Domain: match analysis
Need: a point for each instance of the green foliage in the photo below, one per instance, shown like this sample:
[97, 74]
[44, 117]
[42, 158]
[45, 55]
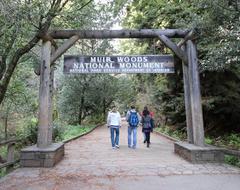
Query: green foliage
[234, 140]
[231, 141]
[217, 24]
[221, 102]
[3, 172]
[208, 140]
[21, 100]
[95, 119]
[172, 132]
[3, 151]
[20, 24]
[86, 95]
[27, 130]
[126, 92]
[71, 131]
[232, 160]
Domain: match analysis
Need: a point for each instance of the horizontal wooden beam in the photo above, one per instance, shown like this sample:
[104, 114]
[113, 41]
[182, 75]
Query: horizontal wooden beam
[232, 152]
[171, 45]
[6, 164]
[5, 142]
[103, 34]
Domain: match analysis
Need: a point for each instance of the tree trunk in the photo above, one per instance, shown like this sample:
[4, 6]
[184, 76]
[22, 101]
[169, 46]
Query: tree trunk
[104, 108]
[81, 110]
[43, 28]
[13, 63]
[2, 67]
[6, 126]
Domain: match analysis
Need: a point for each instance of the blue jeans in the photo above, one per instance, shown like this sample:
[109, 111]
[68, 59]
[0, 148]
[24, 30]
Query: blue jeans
[132, 130]
[114, 138]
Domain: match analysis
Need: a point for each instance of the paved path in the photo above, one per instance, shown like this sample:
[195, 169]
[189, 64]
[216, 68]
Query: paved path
[91, 164]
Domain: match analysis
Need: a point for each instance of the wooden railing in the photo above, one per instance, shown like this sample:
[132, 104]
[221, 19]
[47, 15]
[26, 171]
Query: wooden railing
[235, 153]
[10, 161]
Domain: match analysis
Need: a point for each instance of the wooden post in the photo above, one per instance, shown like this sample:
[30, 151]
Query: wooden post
[10, 156]
[51, 91]
[50, 109]
[187, 100]
[10, 152]
[44, 93]
[195, 94]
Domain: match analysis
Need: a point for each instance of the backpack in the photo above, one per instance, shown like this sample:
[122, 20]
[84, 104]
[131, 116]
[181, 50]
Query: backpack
[133, 119]
[147, 122]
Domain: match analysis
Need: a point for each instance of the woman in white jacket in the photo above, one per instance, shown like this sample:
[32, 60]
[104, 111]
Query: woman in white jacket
[114, 123]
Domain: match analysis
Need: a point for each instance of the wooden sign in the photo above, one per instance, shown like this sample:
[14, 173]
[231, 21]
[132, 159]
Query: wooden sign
[119, 64]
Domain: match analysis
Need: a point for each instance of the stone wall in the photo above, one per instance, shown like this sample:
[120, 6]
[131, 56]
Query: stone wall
[40, 157]
[196, 154]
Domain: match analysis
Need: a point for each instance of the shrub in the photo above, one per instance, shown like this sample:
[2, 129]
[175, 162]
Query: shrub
[208, 140]
[28, 130]
[232, 160]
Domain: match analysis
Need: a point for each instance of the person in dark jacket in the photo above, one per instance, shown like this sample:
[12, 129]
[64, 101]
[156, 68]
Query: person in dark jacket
[151, 115]
[147, 125]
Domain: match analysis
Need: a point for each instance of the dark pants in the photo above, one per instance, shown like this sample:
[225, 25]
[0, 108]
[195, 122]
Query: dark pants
[147, 134]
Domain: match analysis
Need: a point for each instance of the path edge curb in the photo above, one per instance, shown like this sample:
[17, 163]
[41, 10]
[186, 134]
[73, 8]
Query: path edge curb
[166, 136]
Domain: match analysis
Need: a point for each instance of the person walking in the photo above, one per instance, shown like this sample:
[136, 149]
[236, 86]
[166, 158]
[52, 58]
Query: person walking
[133, 119]
[151, 115]
[114, 123]
[147, 125]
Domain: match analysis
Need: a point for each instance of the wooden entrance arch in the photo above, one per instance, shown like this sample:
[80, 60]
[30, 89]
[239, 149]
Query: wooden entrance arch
[185, 50]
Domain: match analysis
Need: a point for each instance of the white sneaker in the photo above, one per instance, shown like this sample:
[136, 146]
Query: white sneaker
[113, 147]
[117, 146]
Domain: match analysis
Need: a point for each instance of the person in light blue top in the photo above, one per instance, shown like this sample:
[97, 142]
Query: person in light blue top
[114, 123]
[133, 118]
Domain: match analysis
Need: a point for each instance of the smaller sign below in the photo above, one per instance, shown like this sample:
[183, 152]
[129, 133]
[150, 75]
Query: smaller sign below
[118, 64]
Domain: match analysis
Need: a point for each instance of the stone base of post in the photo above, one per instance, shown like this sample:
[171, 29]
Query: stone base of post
[34, 156]
[197, 154]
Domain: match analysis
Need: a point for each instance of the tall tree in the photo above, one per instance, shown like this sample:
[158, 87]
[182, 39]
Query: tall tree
[217, 23]
[85, 95]
[23, 24]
